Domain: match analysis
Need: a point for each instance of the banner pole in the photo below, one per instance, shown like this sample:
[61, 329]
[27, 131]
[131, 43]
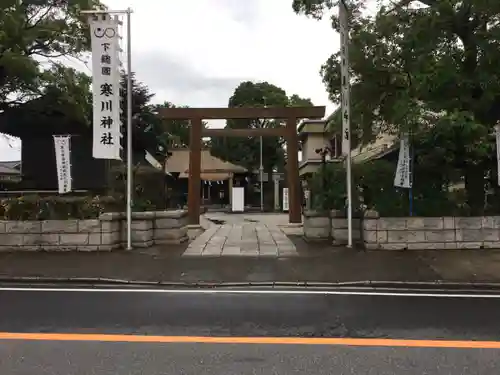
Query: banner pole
[129, 131]
[345, 108]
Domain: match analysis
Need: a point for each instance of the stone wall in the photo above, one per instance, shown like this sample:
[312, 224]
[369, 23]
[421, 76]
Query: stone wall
[340, 228]
[316, 225]
[106, 233]
[329, 225]
[430, 232]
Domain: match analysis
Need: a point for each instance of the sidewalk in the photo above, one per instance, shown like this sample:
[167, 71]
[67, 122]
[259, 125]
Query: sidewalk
[319, 264]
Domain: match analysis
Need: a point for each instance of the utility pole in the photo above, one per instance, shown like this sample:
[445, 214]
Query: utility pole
[261, 167]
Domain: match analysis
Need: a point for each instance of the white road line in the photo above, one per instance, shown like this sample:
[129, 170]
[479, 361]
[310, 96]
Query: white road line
[275, 292]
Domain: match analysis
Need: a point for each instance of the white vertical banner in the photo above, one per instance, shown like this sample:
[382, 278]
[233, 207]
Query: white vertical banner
[106, 86]
[402, 178]
[285, 199]
[497, 136]
[344, 78]
[63, 163]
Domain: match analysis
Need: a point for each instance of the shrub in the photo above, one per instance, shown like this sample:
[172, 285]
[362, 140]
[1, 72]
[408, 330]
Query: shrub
[34, 207]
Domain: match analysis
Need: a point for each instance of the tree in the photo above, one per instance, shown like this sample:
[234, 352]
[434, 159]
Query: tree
[414, 58]
[439, 54]
[246, 152]
[32, 34]
[177, 131]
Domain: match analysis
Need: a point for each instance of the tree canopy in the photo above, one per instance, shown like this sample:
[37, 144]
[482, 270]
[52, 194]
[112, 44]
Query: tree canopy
[32, 35]
[410, 57]
[246, 152]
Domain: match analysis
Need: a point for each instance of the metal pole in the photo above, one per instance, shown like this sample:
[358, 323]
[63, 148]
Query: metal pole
[349, 196]
[261, 167]
[411, 165]
[345, 107]
[128, 12]
[129, 132]
[261, 173]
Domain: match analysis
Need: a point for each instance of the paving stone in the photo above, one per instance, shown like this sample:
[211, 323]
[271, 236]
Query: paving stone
[242, 239]
[231, 250]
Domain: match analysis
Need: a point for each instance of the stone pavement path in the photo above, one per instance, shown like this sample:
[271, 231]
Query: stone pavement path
[237, 237]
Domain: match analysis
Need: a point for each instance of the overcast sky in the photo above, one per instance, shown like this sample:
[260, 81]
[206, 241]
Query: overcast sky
[195, 52]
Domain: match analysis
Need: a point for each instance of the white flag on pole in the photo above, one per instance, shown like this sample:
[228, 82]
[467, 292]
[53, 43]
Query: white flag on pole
[344, 77]
[63, 163]
[105, 43]
[402, 178]
[497, 136]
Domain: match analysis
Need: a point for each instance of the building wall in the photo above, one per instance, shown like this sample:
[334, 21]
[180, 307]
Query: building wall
[311, 144]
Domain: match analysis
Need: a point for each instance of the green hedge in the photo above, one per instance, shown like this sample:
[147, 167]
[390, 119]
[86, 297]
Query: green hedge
[34, 207]
[373, 188]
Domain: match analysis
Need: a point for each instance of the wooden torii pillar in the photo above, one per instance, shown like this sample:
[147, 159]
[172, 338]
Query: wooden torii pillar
[196, 116]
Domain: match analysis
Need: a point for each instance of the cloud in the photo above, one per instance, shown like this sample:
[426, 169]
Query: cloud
[176, 80]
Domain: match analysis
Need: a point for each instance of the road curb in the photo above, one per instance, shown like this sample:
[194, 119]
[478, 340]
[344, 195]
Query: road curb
[100, 281]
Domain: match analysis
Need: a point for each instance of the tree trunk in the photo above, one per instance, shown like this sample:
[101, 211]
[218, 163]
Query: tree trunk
[475, 188]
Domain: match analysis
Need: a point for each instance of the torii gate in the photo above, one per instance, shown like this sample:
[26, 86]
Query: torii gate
[289, 132]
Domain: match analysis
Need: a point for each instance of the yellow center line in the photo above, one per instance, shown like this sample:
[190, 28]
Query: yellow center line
[251, 340]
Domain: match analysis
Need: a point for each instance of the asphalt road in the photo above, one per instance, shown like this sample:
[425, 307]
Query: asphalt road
[256, 333]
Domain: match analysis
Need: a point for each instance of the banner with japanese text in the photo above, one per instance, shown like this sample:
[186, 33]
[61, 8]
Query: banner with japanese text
[345, 85]
[105, 43]
[63, 163]
[402, 177]
[497, 137]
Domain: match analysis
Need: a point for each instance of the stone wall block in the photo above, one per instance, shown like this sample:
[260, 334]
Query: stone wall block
[140, 225]
[110, 226]
[382, 236]
[340, 223]
[394, 236]
[317, 222]
[491, 244]
[444, 235]
[341, 235]
[469, 235]
[88, 248]
[2, 225]
[433, 222]
[415, 223]
[448, 223]
[89, 226]
[426, 246]
[490, 234]
[316, 233]
[32, 239]
[369, 224]
[468, 222]
[110, 238]
[370, 236]
[11, 239]
[391, 223]
[95, 238]
[51, 239]
[22, 227]
[59, 226]
[162, 234]
[393, 246]
[109, 247]
[74, 239]
[60, 247]
[469, 245]
[142, 231]
[168, 223]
